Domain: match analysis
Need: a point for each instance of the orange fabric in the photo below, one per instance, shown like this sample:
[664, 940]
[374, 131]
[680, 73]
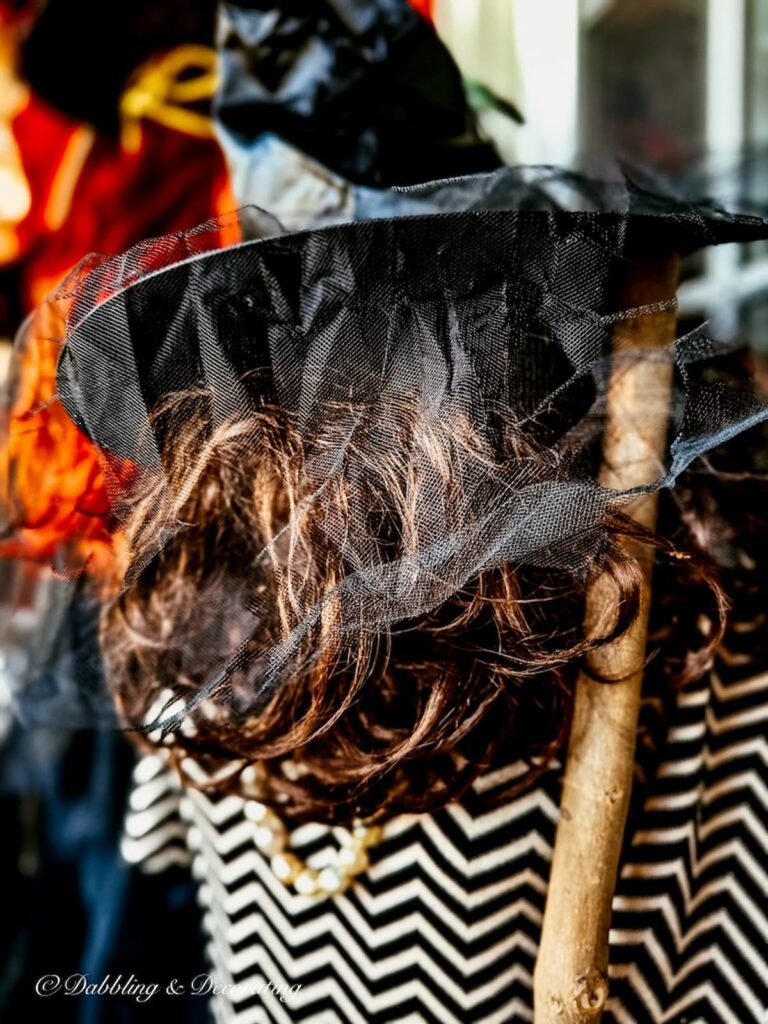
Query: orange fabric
[56, 494]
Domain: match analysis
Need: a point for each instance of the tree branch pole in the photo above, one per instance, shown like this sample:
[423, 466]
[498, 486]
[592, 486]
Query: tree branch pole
[571, 976]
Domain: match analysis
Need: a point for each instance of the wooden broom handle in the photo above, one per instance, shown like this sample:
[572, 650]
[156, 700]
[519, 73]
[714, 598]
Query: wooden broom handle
[571, 977]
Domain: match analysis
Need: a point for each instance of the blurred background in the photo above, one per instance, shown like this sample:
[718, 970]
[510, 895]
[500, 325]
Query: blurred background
[109, 135]
[678, 85]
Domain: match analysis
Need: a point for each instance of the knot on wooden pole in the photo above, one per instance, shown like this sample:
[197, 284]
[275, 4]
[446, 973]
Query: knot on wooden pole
[590, 995]
[585, 1002]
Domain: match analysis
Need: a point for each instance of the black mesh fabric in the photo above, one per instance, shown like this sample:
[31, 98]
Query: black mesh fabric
[481, 319]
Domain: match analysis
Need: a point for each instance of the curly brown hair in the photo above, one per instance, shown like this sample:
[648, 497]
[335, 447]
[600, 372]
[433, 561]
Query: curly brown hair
[367, 723]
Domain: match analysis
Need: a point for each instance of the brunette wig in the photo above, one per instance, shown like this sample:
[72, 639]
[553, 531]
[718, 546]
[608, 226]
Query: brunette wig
[370, 723]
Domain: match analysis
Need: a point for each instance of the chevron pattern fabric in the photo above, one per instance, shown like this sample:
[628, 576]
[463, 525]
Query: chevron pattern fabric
[444, 926]
[689, 943]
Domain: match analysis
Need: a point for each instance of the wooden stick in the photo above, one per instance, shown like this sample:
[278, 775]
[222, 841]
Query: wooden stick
[571, 977]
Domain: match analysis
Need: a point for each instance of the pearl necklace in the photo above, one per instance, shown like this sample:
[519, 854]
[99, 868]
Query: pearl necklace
[271, 837]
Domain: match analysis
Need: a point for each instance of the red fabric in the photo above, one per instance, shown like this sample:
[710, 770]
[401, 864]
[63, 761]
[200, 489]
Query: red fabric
[104, 199]
[174, 181]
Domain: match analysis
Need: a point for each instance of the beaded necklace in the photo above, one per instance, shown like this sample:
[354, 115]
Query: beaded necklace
[270, 834]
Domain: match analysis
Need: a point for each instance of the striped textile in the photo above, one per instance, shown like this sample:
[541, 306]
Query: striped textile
[444, 926]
